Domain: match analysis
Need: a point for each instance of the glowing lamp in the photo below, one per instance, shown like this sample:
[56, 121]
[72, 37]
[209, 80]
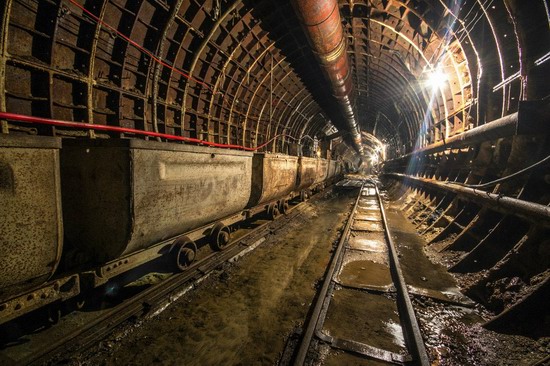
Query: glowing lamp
[437, 78]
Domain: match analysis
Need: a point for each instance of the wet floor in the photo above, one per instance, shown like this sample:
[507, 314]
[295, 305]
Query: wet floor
[351, 316]
[365, 274]
[363, 309]
[453, 334]
[418, 270]
[244, 315]
[339, 358]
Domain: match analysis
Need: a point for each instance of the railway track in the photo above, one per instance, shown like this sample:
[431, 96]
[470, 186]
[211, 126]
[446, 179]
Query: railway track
[146, 303]
[363, 309]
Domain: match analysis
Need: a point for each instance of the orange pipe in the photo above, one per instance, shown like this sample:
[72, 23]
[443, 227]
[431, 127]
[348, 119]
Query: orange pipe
[323, 27]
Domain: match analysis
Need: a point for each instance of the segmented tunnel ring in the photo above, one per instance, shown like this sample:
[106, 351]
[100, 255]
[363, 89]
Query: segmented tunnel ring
[242, 76]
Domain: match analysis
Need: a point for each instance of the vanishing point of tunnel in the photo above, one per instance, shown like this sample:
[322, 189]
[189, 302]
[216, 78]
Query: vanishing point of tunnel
[275, 182]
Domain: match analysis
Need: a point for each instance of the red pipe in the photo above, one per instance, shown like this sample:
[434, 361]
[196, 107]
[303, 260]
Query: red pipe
[88, 126]
[323, 27]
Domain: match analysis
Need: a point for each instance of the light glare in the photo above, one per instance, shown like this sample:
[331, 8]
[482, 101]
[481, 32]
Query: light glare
[437, 78]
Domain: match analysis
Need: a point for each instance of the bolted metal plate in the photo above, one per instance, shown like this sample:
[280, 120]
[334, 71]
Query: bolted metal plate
[148, 193]
[273, 176]
[349, 317]
[368, 217]
[31, 232]
[365, 270]
[368, 243]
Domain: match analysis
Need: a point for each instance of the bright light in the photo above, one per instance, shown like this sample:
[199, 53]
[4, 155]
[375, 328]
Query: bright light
[436, 78]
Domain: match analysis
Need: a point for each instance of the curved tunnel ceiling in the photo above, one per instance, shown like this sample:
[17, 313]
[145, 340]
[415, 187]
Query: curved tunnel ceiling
[241, 72]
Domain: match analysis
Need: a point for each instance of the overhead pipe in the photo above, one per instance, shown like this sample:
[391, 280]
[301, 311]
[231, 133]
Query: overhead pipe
[323, 27]
[531, 118]
[531, 211]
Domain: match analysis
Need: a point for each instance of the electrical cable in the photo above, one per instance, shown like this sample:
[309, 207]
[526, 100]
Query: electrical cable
[88, 126]
[503, 179]
[138, 46]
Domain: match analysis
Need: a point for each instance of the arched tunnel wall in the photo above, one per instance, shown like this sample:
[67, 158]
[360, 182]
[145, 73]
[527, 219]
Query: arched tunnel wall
[241, 73]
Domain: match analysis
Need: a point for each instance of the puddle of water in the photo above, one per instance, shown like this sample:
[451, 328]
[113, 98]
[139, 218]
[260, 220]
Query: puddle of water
[350, 316]
[397, 332]
[339, 358]
[450, 294]
[367, 209]
[368, 217]
[418, 270]
[361, 242]
[442, 321]
[367, 226]
[365, 273]
[244, 316]
[454, 294]
[368, 192]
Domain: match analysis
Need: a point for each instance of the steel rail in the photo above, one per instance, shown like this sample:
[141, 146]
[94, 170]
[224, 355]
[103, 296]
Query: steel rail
[413, 337]
[313, 319]
[411, 329]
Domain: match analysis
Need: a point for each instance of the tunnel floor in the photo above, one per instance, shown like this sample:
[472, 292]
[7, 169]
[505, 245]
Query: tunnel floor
[245, 313]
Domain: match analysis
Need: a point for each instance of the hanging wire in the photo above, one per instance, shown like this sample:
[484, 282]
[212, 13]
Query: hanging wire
[503, 179]
[137, 45]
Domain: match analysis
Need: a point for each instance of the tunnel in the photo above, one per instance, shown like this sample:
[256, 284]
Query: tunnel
[134, 130]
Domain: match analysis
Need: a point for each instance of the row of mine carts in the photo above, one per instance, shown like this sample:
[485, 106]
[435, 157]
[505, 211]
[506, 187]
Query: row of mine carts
[77, 213]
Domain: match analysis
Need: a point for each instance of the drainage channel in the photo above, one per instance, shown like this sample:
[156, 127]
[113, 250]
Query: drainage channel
[363, 313]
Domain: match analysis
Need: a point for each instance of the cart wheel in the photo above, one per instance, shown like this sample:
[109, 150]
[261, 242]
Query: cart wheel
[283, 206]
[219, 236]
[185, 252]
[273, 211]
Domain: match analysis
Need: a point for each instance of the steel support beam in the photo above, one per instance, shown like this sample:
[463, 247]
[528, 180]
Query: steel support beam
[530, 211]
[530, 119]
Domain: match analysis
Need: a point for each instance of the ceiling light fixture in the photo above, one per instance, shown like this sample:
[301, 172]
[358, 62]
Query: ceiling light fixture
[437, 78]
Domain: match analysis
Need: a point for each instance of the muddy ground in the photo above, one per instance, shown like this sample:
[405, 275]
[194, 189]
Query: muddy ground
[454, 335]
[244, 313]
